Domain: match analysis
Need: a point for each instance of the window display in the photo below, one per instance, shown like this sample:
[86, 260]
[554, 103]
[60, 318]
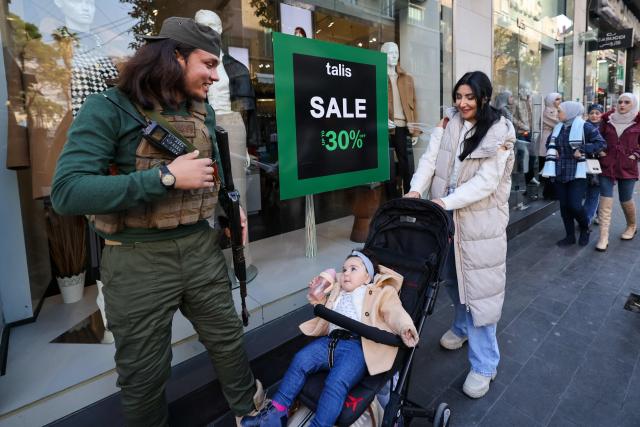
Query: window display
[532, 57]
[57, 53]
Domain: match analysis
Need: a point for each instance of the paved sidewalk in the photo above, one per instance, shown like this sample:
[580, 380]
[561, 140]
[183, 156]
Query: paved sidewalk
[570, 352]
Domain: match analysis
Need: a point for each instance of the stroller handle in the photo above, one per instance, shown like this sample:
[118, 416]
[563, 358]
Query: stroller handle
[370, 332]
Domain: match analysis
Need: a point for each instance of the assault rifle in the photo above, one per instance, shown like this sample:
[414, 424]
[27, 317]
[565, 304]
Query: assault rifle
[230, 202]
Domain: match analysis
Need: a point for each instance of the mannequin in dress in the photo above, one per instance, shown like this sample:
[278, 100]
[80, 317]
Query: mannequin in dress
[402, 110]
[220, 98]
[91, 70]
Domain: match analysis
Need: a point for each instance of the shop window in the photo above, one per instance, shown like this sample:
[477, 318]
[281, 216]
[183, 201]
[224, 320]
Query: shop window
[58, 53]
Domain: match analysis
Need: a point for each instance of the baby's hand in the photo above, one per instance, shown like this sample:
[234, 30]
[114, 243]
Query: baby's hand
[410, 337]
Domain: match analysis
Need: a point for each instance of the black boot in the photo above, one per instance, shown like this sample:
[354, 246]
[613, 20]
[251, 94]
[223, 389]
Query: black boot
[567, 241]
[583, 240]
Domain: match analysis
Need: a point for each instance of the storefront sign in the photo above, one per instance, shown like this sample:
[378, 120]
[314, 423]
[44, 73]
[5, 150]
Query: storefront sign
[331, 109]
[622, 39]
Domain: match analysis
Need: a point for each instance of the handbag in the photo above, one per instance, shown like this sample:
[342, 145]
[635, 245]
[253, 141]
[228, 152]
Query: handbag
[593, 167]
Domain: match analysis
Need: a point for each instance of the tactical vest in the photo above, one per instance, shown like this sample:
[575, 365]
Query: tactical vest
[179, 207]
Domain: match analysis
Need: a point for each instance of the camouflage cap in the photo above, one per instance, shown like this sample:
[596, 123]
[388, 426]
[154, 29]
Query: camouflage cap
[189, 32]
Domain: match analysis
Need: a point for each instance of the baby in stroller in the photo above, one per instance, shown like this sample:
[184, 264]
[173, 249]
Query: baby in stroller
[368, 293]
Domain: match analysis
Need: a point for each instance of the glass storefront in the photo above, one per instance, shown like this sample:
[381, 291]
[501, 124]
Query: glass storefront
[57, 53]
[605, 70]
[533, 56]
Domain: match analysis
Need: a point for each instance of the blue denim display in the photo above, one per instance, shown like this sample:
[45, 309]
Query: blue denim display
[625, 188]
[484, 354]
[349, 368]
[591, 201]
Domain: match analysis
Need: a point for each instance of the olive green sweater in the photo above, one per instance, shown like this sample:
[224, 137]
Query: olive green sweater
[101, 135]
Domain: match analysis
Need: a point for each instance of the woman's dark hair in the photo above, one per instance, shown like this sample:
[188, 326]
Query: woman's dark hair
[154, 75]
[300, 31]
[371, 256]
[486, 115]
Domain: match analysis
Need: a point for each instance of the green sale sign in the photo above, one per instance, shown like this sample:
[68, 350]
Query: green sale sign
[331, 105]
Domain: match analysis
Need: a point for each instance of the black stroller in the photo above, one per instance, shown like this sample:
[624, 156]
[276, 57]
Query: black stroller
[412, 237]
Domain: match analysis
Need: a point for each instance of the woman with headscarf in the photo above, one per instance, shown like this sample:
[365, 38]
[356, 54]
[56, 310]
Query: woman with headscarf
[503, 103]
[571, 139]
[549, 120]
[619, 163]
[594, 114]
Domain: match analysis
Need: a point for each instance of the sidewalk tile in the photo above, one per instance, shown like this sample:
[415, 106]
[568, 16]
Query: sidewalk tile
[584, 318]
[571, 339]
[560, 421]
[519, 348]
[587, 411]
[505, 415]
[550, 306]
[507, 370]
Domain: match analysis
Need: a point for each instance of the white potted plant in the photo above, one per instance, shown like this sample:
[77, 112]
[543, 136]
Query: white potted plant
[68, 251]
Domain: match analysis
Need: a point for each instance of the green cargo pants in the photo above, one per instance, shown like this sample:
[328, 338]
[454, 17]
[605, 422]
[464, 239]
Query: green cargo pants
[144, 284]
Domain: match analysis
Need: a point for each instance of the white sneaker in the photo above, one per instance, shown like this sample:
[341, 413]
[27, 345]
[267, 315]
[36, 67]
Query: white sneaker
[477, 385]
[534, 181]
[451, 341]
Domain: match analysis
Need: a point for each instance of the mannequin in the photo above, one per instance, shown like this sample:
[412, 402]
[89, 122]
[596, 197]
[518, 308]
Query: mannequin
[402, 110]
[91, 72]
[78, 15]
[220, 98]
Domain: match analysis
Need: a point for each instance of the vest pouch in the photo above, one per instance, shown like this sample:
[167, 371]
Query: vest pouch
[177, 207]
[107, 223]
[191, 204]
[209, 201]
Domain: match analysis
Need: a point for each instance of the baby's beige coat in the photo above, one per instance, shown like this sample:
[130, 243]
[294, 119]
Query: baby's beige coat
[382, 308]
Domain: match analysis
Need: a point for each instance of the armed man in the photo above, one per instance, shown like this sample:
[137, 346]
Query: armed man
[141, 163]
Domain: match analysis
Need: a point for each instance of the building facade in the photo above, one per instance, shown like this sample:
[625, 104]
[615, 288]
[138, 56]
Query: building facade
[57, 53]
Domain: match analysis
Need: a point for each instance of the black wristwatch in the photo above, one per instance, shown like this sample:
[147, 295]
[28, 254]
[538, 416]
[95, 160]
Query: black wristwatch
[166, 177]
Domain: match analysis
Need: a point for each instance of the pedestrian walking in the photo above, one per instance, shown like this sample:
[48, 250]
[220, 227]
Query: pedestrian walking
[594, 114]
[619, 163]
[572, 138]
[549, 121]
[504, 104]
[467, 170]
[151, 208]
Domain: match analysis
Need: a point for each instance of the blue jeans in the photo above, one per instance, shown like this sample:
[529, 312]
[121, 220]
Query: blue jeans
[625, 188]
[348, 369]
[484, 354]
[591, 201]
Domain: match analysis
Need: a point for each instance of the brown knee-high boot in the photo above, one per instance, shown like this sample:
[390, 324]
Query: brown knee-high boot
[604, 219]
[629, 209]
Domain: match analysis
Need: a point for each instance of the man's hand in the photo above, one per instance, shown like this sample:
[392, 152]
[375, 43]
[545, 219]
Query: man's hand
[602, 154]
[191, 172]
[577, 154]
[245, 227]
[412, 195]
[633, 157]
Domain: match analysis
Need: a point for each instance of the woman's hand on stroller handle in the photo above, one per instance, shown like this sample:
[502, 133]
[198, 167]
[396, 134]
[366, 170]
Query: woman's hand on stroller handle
[412, 195]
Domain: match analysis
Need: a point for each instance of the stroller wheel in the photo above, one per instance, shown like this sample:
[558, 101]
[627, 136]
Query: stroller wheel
[442, 415]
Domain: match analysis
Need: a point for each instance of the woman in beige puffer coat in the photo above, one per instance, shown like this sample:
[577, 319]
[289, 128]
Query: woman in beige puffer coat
[467, 171]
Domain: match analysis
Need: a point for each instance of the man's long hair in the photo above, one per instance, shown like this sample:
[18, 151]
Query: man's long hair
[153, 75]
